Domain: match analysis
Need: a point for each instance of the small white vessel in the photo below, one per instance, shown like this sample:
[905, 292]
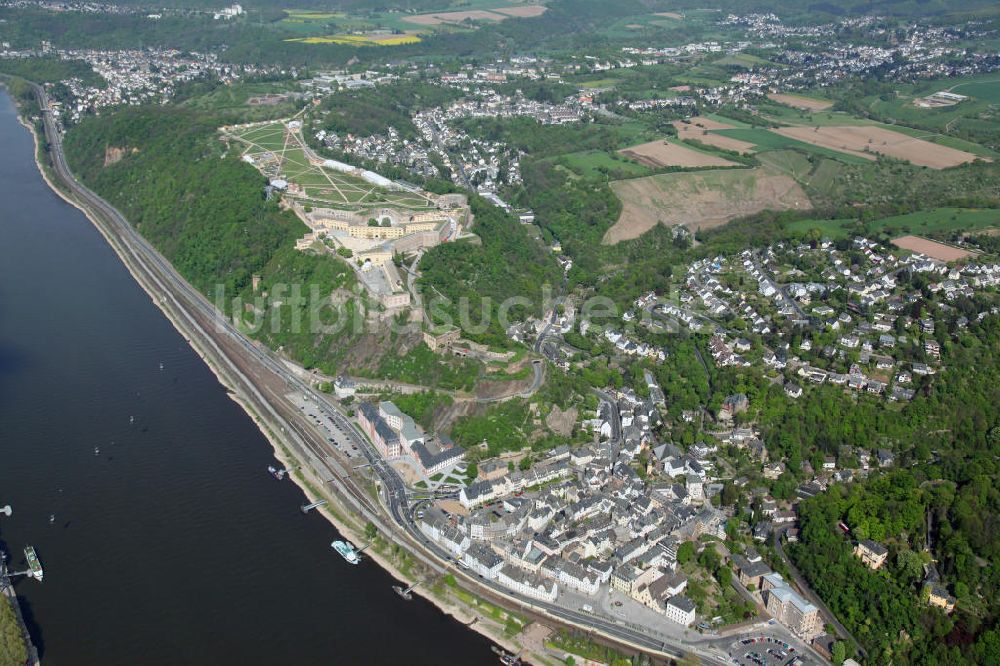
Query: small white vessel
[346, 550]
[34, 564]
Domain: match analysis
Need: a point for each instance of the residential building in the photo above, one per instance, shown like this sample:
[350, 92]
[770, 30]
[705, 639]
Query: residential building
[872, 554]
[680, 609]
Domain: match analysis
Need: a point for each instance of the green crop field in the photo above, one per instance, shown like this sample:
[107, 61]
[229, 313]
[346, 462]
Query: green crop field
[739, 124]
[987, 90]
[599, 83]
[589, 164]
[939, 220]
[789, 116]
[794, 163]
[926, 222]
[744, 60]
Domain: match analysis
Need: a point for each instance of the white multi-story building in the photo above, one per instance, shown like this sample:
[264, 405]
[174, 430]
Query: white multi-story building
[483, 560]
[527, 584]
[680, 609]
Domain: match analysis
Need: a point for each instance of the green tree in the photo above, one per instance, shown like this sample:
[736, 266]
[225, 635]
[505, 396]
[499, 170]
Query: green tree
[13, 651]
[685, 552]
[838, 652]
[730, 493]
[371, 531]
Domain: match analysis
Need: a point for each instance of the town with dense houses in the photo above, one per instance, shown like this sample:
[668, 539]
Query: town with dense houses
[634, 444]
[606, 520]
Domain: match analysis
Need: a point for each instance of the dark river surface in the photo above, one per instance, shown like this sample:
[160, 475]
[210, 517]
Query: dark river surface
[173, 545]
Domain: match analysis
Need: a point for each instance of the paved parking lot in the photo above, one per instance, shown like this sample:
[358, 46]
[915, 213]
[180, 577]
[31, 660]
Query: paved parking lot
[764, 651]
[330, 430]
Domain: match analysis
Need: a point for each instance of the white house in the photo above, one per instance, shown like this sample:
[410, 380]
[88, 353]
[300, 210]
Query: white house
[680, 609]
[527, 584]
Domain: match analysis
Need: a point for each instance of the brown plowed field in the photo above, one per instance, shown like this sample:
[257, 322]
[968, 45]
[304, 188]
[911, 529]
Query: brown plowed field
[699, 129]
[659, 154]
[930, 248]
[522, 12]
[700, 200]
[798, 102]
[855, 139]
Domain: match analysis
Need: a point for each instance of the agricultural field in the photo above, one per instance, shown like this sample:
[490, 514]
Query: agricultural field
[595, 163]
[280, 152]
[373, 39]
[704, 130]
[791, 162]
[599, 83]
[743, 60]
[864, 140]
[801, 102]
[664, 23]
[497, 13]
[309, 21]
[701, 200]
[932, 249]
[660, 153]
[325, 27]
[987, 89]
[974, 119]
[786, 116]
[771, 140]
[927, 222]
[950, 141]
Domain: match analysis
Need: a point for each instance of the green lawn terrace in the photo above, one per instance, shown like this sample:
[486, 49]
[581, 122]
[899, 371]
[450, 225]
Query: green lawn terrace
[278, 150]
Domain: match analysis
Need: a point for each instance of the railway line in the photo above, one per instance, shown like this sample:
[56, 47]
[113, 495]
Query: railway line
[263, 382]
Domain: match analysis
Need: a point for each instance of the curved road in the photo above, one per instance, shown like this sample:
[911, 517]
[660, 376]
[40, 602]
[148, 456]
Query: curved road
[263, 382]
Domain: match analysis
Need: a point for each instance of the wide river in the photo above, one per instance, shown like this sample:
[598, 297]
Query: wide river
[171, 544]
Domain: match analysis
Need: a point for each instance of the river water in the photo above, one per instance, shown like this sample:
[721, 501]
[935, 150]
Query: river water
[172, 545]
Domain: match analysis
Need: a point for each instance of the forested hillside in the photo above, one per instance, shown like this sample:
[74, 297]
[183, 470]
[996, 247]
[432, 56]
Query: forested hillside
[369, 111]
[504, 263]
[205, 212]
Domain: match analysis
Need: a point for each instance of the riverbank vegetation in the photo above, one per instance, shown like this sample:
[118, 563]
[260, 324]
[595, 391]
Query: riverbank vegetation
[206, 212]
[13, 650]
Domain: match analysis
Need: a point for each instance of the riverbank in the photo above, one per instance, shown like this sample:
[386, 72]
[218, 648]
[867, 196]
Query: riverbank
[32, 651]
[203, 348]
